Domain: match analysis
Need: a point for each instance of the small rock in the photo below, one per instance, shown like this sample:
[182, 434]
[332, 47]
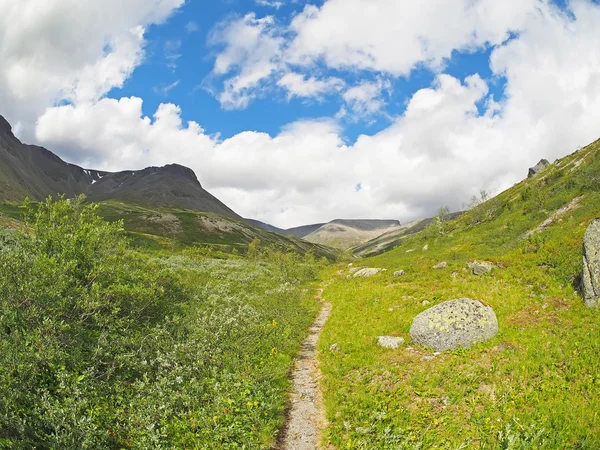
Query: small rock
[545, 305]
[441, 265]
[399, 273]
[426, 247]
[427, 358]
[453, 324]
[437, 353]
[367, 272]
[479, 268]
[390, 341]
[350, 265]
[425, 303]
[454, 274]
[411, 250]
[354, 270]
[334, 348]
[409, 349]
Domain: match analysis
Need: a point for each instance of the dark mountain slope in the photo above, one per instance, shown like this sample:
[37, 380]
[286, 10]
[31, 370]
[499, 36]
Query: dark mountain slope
[299, 232]
[27, 170]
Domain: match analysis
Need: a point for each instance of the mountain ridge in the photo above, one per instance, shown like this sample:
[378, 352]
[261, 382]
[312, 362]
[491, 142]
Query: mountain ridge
[36, 172]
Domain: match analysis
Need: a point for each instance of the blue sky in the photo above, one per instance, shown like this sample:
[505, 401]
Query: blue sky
[294, 104]
[179, 60]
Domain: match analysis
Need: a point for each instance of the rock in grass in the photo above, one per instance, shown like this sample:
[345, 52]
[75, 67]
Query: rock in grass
[367, 272]
[591, 265]
[479, 268]
[390, 341]
[453, 324]
[354, 270]
[533, 171]
[441, 265]
[399, 273]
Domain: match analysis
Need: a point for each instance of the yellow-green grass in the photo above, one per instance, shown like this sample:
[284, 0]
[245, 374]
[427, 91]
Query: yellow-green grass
[535, 385]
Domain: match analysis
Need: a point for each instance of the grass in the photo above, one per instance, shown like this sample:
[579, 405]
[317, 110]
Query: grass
[108, 347]
[535, 385]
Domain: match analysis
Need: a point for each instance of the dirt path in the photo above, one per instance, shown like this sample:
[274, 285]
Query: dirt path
[306, 418]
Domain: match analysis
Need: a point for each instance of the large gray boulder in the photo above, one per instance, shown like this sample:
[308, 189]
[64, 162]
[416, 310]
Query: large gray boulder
[453, 324]
[533, 171]
[591, 265]
[367, 272]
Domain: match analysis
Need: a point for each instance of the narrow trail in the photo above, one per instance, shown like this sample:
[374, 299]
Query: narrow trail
[306, 417]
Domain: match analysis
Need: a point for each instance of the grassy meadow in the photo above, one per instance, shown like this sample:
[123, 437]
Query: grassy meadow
[107, 347]
[536, 385]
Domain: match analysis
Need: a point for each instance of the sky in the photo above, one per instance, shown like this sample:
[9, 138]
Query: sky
[296, 112]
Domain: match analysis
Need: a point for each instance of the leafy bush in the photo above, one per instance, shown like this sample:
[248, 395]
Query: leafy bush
[103, 347]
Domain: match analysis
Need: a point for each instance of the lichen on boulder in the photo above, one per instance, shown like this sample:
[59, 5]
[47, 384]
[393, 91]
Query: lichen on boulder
[591, 265]
[453, 324]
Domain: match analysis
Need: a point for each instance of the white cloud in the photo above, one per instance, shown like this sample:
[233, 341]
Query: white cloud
[270, 3]
[252, 49]
[366, 98]
[164, 89]
[297, 85]
[192, 26]
[381, 36]
[74, 50]
[172, 49]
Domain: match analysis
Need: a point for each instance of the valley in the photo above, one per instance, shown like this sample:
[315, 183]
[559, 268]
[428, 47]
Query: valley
[222, 305]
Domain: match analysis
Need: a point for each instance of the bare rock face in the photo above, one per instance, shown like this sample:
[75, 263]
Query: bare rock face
[533, 171]
[591, 265]
[453, 324]
[367, 272]
[479, 268]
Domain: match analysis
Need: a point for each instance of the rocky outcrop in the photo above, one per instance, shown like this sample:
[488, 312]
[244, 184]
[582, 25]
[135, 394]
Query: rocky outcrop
[533, 171]
[367, 272]
[479, 268]
[453, 324]
[591, 265]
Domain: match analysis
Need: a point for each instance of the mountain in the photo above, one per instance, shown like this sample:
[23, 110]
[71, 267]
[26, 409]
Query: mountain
[392, 238]
[300, 231]
[303, 230]
[161, 207]
[344, 234]
[28, 170]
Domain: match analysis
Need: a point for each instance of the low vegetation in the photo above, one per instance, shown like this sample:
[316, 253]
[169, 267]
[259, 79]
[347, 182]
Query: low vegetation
[102, 346]
[535, 385]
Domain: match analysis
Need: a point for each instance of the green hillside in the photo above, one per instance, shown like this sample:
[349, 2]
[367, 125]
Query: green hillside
[107, 347]
[164, 228]
[535, 385]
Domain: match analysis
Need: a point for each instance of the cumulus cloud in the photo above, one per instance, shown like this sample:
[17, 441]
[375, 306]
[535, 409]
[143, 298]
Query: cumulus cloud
[73, 50]
[251, 47]
[366, 98]
[297, 85]
[381, 36]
